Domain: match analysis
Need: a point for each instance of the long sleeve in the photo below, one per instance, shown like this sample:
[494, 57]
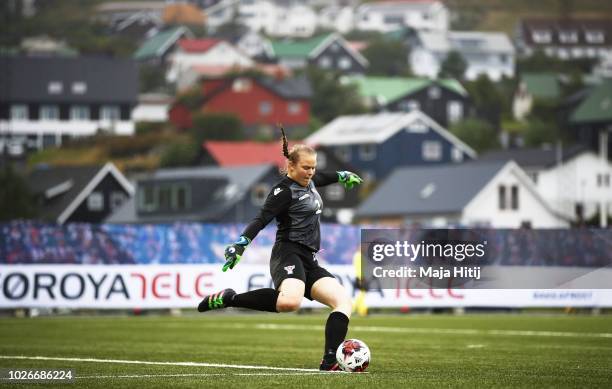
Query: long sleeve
[325, 178]
[277, 202]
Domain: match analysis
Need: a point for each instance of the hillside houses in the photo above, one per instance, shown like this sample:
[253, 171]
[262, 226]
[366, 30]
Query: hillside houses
[47, 100]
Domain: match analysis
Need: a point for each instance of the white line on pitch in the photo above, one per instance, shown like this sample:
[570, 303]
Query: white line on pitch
[203, 375]
[451, 331]
[191, 364]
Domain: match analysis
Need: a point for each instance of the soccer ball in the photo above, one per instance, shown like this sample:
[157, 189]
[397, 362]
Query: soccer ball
[353, 355]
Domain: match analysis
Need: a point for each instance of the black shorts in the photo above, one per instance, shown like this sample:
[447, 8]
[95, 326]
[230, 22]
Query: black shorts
[292, 260]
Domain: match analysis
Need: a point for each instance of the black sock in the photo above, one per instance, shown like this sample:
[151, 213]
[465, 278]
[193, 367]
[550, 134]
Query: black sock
[335, 332]
[258, 299]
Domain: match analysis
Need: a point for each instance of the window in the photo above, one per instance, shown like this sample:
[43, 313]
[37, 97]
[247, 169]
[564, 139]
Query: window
[501, 196]
[334, 192]
[344, 63]
[568, 36]
[344, 153]
[603, 180]
[454, 111]
[541, 36]
[325, 62]
[594, 36]
[417, 127]
[164, 197]
[579, 211]
[241, 85]
[409, 105]
[79, 88]
[321, 160]
[456, 155]
[265, 108]
[294, 108]
[19, 112]
[514, 197]
[432, 150]
[116, 200]
[55, 87]
[181, 198]
[109, 112]
[534, 176]
[367, 152]
[147, 199]
[434, 92]
[393, 19]
[335, 47]
[79, 112]
[95, 201]
[259, 194]
[49, 112]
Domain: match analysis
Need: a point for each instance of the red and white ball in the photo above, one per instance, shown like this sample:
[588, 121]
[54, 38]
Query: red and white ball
[353, 355]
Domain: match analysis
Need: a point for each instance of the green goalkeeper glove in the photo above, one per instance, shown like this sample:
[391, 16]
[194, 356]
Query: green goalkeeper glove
[234, 252]
[349, 179]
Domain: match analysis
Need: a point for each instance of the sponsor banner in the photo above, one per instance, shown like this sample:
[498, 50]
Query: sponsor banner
[183, 286]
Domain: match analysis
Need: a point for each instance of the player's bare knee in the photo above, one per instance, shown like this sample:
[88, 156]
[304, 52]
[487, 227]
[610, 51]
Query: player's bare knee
[288, 303]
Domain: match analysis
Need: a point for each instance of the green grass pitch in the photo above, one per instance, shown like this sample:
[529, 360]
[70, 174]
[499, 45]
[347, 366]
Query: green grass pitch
[421, 351]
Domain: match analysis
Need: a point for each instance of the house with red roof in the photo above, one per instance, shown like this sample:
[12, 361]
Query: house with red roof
[204, 52]
[258, 102]
[227, 154]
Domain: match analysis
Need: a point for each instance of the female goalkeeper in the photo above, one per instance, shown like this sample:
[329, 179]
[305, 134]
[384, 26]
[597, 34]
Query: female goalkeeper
[296, 205]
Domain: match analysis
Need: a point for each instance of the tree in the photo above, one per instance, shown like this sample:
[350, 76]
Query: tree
[540, 132]
[330, 97]
[487, 99]
[16, 201]
[387, 57]
[152, 78]
[479, 134]
[216, 126]
[454, 65]
[180, 154]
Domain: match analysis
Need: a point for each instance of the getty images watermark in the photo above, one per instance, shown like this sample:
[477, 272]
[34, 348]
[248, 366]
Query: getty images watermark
[486, 258]
[428, 258]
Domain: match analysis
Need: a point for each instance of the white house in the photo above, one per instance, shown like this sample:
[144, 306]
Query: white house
[489, 53]
[254, 44]
[152, 107]
[48, 99]
[575, 181]
[385, 16]
[294, 21]
[476, 194]
[579, 186]
[203, 52]
[220, 13]
[290, 19]
[338, 18]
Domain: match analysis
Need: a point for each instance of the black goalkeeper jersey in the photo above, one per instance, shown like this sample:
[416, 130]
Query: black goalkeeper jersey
[297, 210]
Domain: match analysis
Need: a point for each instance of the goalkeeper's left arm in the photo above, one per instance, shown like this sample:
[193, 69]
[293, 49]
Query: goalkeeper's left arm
[346, 178]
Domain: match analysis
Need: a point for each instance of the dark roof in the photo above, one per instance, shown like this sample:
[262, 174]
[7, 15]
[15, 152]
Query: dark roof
[534, 157]
[229, 185]
[290, 88]
[429, 190]
[108, 80]
[45, 178]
